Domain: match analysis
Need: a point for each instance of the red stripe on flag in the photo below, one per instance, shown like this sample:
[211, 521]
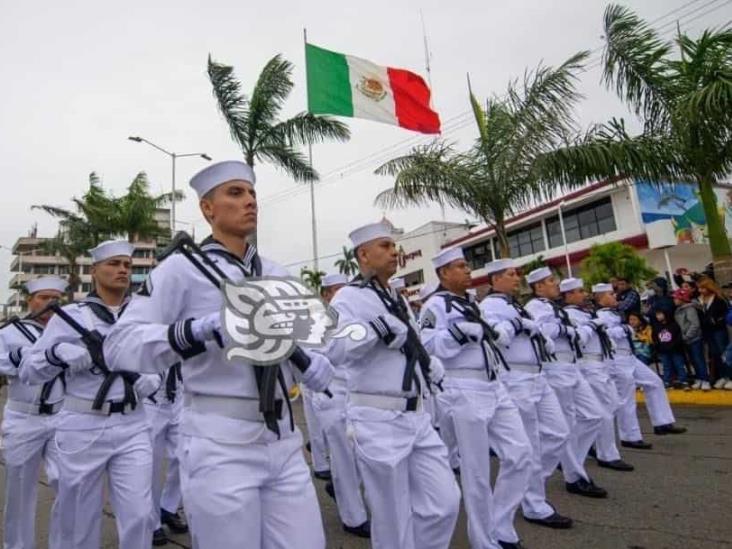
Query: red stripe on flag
[412, 102]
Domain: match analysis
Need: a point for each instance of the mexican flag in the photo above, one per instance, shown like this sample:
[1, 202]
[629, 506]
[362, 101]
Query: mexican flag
[344, 85]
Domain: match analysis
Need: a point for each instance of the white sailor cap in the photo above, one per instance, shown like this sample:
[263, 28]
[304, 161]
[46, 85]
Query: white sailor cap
[396, 283]
[569, 284]
[46, 283]
[498, 265]
[538, 274]
[334, 279]
[111, 248]
[427, 290]
[446, 256]
[222, 172]
[369, 232]
[602, 287]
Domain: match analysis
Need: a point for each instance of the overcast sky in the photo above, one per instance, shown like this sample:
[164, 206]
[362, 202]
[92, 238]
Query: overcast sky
[79, 77]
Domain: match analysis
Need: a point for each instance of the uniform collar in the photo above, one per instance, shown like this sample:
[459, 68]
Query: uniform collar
[210, 244]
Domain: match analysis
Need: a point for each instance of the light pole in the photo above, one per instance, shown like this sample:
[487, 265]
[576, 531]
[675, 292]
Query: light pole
[173, 156]
[564, 240]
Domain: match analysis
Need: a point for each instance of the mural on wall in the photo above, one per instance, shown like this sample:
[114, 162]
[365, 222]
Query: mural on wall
[680, 203]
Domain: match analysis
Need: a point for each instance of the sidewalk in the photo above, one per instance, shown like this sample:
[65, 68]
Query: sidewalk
[715, 397]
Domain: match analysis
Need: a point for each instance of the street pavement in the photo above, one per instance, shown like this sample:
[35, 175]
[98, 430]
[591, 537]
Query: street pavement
[679, 496]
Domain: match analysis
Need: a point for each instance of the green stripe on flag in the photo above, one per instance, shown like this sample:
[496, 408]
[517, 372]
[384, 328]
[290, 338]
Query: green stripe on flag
[329, 87]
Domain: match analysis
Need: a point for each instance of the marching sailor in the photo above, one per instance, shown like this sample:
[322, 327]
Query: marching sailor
[582, 410]
[29, 420]
[525, 350]
[163, 409]
[345, 486]
[102, 427]
[596, 365]
[475, 409]
[243, 474]
[411, 491]
[629, 372]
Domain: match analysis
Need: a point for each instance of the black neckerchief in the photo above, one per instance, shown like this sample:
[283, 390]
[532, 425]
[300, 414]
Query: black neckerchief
[563, 318]
[266, 377]
[171, 382]
[471, 312]
[537, 340]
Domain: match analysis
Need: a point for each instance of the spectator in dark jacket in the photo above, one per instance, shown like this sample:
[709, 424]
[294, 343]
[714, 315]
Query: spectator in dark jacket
[628, 298]
[688, 317]
[660, 300]
[670, 348]
[714, 327]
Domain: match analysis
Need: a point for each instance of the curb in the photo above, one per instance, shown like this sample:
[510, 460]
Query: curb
[715, 397]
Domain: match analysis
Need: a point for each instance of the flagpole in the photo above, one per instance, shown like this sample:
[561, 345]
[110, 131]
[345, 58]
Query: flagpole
[312, 183]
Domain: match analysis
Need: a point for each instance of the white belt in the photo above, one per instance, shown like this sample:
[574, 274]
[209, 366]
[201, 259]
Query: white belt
[385, 402]
[34, 409]
[564, 356]
[595, 357]
[467, 373]
[528, 368]
[109, 407]
[243, 408]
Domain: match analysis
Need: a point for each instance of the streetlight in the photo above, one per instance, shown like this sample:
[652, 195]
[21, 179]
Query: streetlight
[173, 156]
[564, 239]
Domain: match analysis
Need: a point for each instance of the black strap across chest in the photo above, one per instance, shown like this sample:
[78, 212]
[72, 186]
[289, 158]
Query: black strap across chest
[48, 386]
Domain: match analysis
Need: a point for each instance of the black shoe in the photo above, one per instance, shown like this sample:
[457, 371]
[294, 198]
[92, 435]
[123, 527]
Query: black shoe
[511, 545]
[322, 475]
[636, 444]
[159, 538]
[555, 520]
[669, 429]
[615, 465]
[585, 488]
[360, 531]
[173, 521]
[330, 489]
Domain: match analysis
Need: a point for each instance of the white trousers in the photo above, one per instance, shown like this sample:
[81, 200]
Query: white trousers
[598, 376]
[257, 495]
[123, 454]
[27, 443]
[164, 420]
[584, 414]
[547, 430]
[346, 482]
[631, 373]
[482, 416]
[318, 448]
[410, 488]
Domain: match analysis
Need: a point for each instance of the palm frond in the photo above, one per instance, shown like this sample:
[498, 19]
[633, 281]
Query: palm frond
[291, 160]
[233, 105]
[272, 88]
[305, 128]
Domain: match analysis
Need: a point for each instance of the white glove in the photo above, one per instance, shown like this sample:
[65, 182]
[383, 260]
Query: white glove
[203, 328]
[598, 322]
[549, 345]
[436, 371]
[391, 330]
[617, 332]
[318, 374]
[147, 384]
[504, 335]
[472, 330]
[75, 356]
[530, 326]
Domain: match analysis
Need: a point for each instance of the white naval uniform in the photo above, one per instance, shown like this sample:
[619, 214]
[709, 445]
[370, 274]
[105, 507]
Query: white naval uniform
[318, 446]
[27, 440]
[92, 443]
[409, 486]
[628, 372]
[476, 409]
[331, 414]
[540, 410]
[596, 365]
[242, 484]
[163, 409]
[582, 410]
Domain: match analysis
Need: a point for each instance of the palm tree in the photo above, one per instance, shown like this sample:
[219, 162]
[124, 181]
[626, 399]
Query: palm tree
[347, 264]
[684, 100]
[615, 259]
[254, 124]
[312, 278]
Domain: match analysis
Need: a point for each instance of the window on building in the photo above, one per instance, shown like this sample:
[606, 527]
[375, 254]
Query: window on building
[526, 241]
[137, 270]
[86, 287]
[142, 253]
[44, 269]
[478, 255]
[63, 269]
[584, 222]
[86, 269]
[415, 277]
